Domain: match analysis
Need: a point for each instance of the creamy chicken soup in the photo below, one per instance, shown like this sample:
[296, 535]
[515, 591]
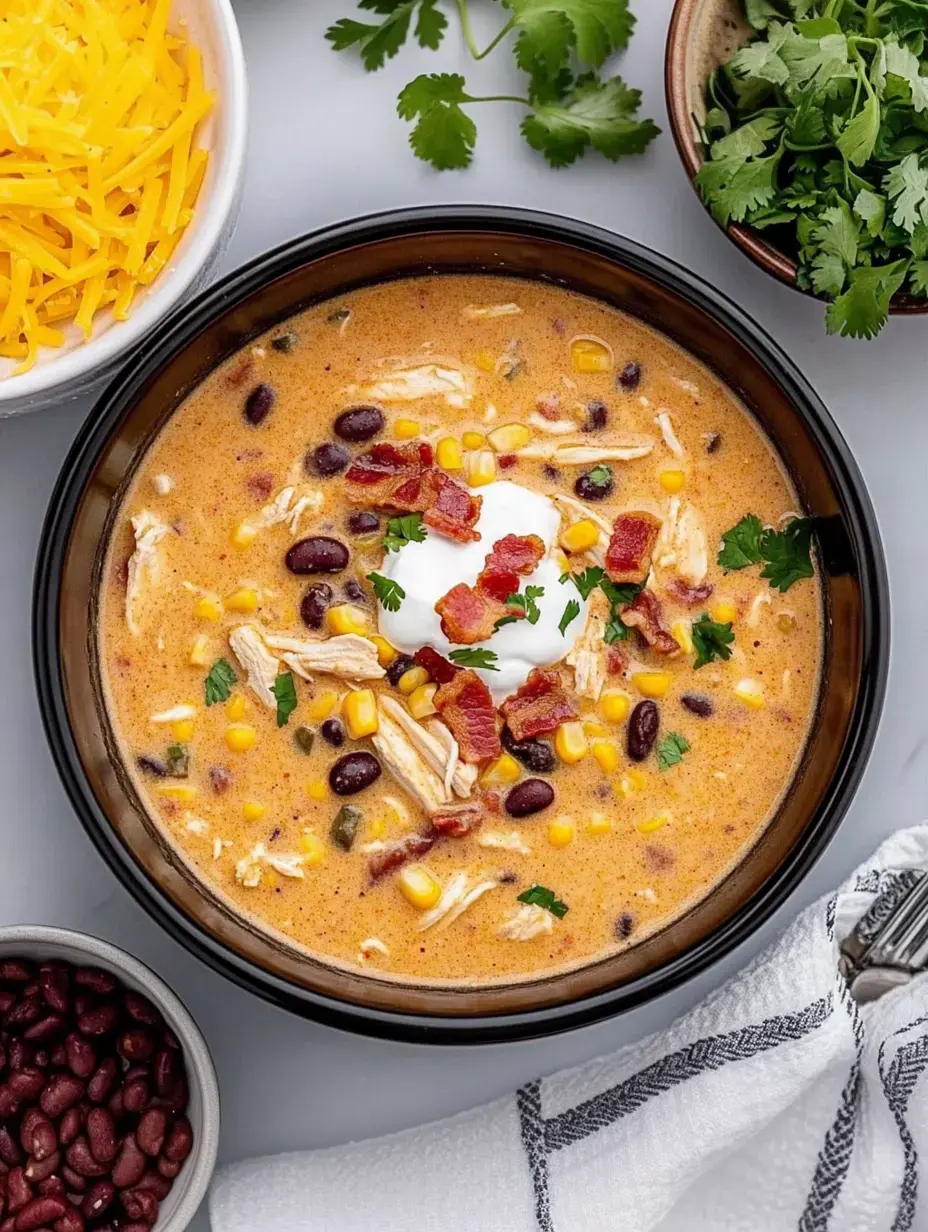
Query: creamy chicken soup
[462, 630]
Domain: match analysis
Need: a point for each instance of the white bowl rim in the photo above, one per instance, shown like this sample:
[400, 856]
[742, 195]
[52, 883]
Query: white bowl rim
[122, 338]
[206, 1146]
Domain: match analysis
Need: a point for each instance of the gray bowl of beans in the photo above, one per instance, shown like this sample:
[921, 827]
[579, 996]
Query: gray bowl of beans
[109, 1104]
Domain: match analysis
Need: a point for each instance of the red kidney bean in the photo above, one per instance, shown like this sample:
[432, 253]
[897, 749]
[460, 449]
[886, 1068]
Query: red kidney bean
[258, 404]
[698, 703]
[140, 1204]
[45, 1029]
[12, 971]
[99, 1020]
[179, 1141]
[100, 982]
[75, 1182]
[21, 1055]
[26, 1083]
[9, 1224]
[359, 423]
[643, 725]
[18, 1191]
[151, 1130]
[101, 1134]
[179, 1097]
[529, 796]
[9, 1151]
[58, 1057]
[52, 1187]
[70, 1126]
[140, 1009]
[31, 1118]
[9, 1104]
[135, 1095]
[100, 1085]
[363, 523]
[630, 377]
[135, 1226]
[71, 1221]
[81, 1055]
[130, 1165]
[24, 1012]
[61, 1092]
[168, 1168]
[38, 1212]
[171, 1039]
[40, 1170]
[159, 1185]
[80, 1158]
[136, 1045]
[7, 999]
[98, 1198]
[165, 1071]
[40, 1139]
[317, 554]
[55, 986]
[117, 1105]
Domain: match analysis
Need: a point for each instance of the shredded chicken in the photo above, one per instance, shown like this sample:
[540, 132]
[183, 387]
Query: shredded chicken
[553, 427]
[400, 757]
[288, 864]
[759, 601]
[259, 664]
[463, 774]
[588, 654]
[249, 869]
[570, 454]
[690, 386]
[681, 544]
[458, 894]
[369, 946]
[424, 381]
[440, 755]
[163, 484]
[505, 842]
[283, 508]
[528, 922]
[349, 655]
[175, 715]
[144, 564]
[575, 511]
[671, 440]
[478, 312]
[196, 825]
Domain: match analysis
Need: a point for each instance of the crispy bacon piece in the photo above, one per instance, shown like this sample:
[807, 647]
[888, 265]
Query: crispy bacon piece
[690, 595]
[457, 824]
[467, 708]
[394, 856]
[402, 479]
[451, 510]
[469, 613]
[644, 615]
[539, 706]
[520, 553]
[628, 557]
[440, 670]
[616, 660]
[384, 468]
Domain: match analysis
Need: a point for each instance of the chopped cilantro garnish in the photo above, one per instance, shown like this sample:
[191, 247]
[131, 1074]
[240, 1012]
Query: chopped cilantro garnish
[587, 581]
[468, 657]
[741, 544]
[389, 593]
[600, 476]
[711, 639]
[786, 553]
[523, 607]
[285, 692]
[671, 749]
[219, 682]
[541, 896]
[406, 529]
[571, 612]
[177, 761]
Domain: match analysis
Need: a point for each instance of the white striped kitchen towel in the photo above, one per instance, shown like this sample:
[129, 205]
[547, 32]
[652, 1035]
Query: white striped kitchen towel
[776, 1104]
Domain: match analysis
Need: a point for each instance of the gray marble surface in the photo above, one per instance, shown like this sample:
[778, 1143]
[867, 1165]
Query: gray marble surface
[325, 144]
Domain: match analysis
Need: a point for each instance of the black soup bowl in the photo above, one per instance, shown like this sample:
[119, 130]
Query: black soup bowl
[183, 350]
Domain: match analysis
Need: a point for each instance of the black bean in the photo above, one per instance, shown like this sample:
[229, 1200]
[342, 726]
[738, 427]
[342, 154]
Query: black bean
[698, 703]
[317, 554]
[334, 732]
[529, 796]
[305, 738]
[152, 765]
[314, 604]
[535, 755]
[363, 523]
[551, 472]
[346, 825]
[359, 423]
[355, 592]
[624, 926]
[258, 404]
[643, 724]
[597, 416]
[327, 459]
[284, 342]
[713, 441]
[596, 484]
[400, 665]
[353, 772]
[630, 377]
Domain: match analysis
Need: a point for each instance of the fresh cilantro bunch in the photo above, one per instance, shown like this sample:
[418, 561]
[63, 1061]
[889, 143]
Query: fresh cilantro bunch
[817, 131]
[559, 44]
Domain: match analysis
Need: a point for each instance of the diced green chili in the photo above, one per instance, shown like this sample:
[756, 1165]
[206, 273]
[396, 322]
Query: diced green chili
[305, 738]
[346, 825]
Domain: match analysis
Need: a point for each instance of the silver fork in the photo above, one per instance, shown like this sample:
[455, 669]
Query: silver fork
[889, 944]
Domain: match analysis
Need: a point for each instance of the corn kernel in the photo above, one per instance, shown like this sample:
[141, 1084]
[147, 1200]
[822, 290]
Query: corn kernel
[406, 429]
[183, 730]
[588, 355]
[606, 755]
[571, 743]
[504, 770]
[269, 878]
[244, 535]
[318, 789]
[346, 618]
[480, 468]
[652, 684]
[412, 680]
[385, 652]
[633, 780]
[682, 636]
[422, 701]
[448, 454]
[509, 438]
[614, 706]
[240, 737]
[786, 622]
[672, 481]
[653, 823]
[472, 440]
[594, 728]
[581, 536]
[199, 652]
[184, 793]
[560, 559]
[312, 848]
[599, 823]
[378, 828]
[208, 607]
[360, 711]
[253, 811]
[751, 692]
[561, 832]
[418, 886]
[485, 361]
[322, 706]
[244, 600]
[723, 611]
[235, 708]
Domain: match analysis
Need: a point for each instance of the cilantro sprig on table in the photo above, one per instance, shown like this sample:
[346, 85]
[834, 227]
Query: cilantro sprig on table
[817, 131]
[560, 45]
[786, 554]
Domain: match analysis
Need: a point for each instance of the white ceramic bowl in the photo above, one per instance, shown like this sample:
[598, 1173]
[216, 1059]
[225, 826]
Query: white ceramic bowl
[39, 943]
[79, 367]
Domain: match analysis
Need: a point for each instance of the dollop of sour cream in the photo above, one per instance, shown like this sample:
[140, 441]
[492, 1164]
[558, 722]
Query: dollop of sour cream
[426, 571]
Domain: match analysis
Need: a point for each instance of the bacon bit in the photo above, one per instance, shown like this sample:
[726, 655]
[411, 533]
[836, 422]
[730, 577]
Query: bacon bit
[506, 461]
[539, 706]
[493, 800]
[239, 373]
[220, 779]
[628, 558]
[616, 660]
[411, 846]
[690, 595]
[451, 510]
[469, 613]
[548, 406]
[467, 708]
[440, 670]
[644, 615]
[520, 553]
[458, 824]
[402, 479]
[260, 485]
[377, 471]
[658, 859]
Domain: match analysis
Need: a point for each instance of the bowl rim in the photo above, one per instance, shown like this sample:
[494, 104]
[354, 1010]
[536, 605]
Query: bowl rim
[237, 286]
[196, 1050]
[119, 341]
[680, 36]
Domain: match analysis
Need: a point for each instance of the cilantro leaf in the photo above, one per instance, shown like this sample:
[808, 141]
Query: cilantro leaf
[541, 896]
[550, 29]
[570, 613]
[788, 553]
[219, 682]
[389, 593]
[431, 25]
[901, 62]
[469, 657]
[858, 137]
[600, 114]
[587, 581]
[906, 185]
[615, 631]
[862, 311]
[600, 476]
[407, 529]
[870, 208]
[285, 691]
[741, 544]
[711, 639]
[671, 749]
[620, 594]
[523, 607]
[379, 43]
[918, 278]
[443, 134]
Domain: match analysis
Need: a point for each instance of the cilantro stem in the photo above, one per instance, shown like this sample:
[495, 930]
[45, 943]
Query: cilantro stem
[496, 98]
[468, 31]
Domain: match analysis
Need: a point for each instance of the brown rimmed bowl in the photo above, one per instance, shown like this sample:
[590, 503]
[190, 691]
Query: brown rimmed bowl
[703, 35]
[333, 262]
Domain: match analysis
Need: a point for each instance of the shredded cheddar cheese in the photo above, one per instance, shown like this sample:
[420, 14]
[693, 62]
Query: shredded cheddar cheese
[99, 173]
